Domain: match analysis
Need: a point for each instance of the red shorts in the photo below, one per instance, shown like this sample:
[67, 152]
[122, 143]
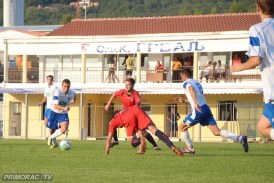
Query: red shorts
[142, 118]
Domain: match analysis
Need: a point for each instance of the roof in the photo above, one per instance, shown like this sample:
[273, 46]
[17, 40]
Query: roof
[158, 25]
[37, 28]
[32, 33]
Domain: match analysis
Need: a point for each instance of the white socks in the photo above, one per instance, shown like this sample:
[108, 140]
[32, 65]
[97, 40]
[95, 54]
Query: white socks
[186, 138]
[232, 136]
[272, 134]
[57, 133]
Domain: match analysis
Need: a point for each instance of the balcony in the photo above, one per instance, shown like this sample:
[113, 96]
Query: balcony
[225, 75]
[119, 75]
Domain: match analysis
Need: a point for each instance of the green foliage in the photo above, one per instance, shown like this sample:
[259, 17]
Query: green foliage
[58, 11]
[66, 19]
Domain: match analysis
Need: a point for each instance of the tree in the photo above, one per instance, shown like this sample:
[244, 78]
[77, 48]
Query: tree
[66, 18]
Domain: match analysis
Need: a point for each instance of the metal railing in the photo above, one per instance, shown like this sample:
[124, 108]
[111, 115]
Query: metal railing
[148, 75]
[212, 74]
[95, 121]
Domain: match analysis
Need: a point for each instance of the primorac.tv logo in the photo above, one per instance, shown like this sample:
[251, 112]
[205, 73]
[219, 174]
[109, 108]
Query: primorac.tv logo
[27, 177]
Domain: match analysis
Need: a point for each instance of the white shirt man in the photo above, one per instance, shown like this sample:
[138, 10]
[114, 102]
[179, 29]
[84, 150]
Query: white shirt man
[261, 52]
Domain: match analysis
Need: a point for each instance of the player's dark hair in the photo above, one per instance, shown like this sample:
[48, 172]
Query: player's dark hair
[131, 80]
[266, 6]
[50, 76]
[67, 81]
[186, 72]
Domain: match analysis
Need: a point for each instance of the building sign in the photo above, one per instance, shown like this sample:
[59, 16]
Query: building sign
[147, 47]
[76, 48]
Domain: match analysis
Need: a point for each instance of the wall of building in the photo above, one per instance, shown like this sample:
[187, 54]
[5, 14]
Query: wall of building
[248, 113]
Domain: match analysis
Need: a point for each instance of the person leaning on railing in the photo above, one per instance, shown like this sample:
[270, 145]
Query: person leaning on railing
[159, 67]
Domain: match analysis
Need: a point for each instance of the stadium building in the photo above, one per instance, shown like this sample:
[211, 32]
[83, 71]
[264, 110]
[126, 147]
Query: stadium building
[81, 51]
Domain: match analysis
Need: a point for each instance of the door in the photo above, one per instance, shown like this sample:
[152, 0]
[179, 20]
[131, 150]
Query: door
[107, 116]
[169, 131]
[15, 118]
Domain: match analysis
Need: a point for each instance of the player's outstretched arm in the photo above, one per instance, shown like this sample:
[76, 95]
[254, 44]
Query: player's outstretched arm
[108, 142]
[43, 101]
[250, 64]
[109, 102]
[181, 100]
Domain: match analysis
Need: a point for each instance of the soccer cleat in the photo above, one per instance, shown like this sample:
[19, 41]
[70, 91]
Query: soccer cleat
[244, 143]
[53, 146]
[188, 150]
[178, 152]
[49, 142]
[114, 144]
[157, 148]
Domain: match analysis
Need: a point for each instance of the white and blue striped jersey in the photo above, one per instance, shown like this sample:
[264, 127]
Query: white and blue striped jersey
[62, 99]
[262, 45]
[199, 92]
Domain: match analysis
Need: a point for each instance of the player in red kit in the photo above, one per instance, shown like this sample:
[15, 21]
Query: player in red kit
[129, 97]
[135, 120]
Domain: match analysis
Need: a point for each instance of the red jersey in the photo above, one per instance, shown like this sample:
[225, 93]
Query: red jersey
[129, 100]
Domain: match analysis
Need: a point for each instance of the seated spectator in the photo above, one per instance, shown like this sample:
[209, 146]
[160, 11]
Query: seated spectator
[159, 67]
[236, 59]
[207, 71]
[219, 71]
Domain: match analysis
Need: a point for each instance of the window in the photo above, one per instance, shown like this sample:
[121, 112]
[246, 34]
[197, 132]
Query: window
[227, 111]
[146, 107]
[1, 97]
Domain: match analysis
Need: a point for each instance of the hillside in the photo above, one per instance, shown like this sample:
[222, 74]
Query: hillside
[59, 11]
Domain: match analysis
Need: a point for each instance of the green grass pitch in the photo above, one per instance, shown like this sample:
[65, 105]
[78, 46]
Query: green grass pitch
[86, 162]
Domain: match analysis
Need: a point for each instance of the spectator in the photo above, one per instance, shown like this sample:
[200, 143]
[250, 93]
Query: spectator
[159, 67]
[173, 118]
[124, 62]
[189, 60]
[236, 59]
[176, 66]
[129, 67]
[219, 71]
[207, 72]
[112, 63]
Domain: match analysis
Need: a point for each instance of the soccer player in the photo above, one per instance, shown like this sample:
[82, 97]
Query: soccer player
[261, 53]
[201, 113]
[48, 96]
[135, 120]
[59, 111]
[129, 97]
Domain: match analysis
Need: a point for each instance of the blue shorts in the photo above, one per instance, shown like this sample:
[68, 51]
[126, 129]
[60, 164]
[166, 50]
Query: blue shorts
[269, 113]
[55, 118]
[205, 117]
[46, 113]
